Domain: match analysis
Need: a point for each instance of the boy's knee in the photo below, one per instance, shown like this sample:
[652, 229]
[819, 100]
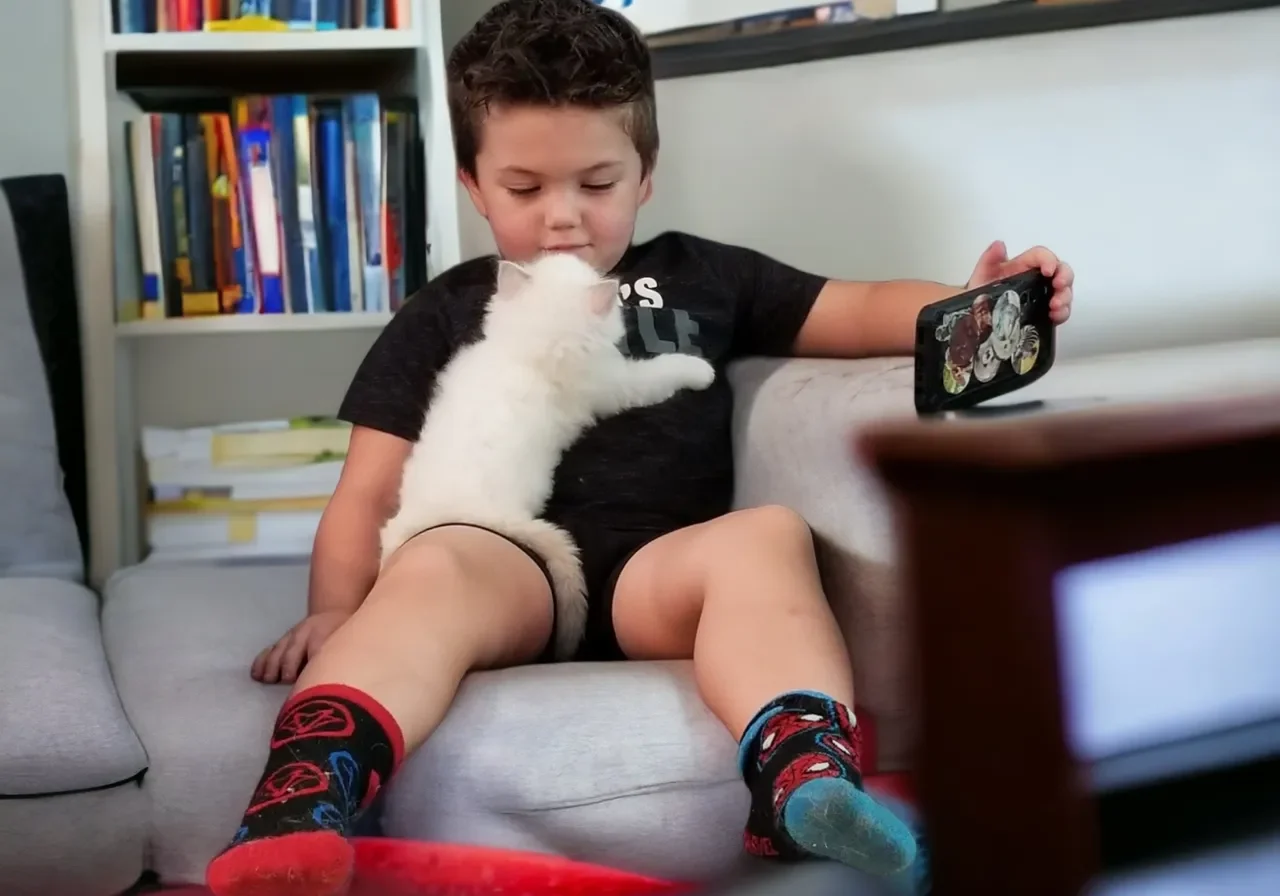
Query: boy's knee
[424, 560]
[775, 525]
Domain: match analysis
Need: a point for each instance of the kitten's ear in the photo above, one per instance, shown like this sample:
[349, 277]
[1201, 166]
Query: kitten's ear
[603, 296]
[511, 277]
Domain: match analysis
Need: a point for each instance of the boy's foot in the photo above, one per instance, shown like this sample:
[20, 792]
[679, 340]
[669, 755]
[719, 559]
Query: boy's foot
[331, 749]
[800, 758]
[311, 863]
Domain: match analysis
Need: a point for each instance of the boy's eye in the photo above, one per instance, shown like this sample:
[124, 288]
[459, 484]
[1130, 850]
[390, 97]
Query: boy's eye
[522, 191]
[599, 188]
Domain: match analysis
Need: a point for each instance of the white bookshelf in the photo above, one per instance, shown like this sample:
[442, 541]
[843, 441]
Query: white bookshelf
[179, 371]
[254, 323]
[344, 41]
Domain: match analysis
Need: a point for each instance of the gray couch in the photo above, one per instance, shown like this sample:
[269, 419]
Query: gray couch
[613, 763]
[73, 815]
[131, 734]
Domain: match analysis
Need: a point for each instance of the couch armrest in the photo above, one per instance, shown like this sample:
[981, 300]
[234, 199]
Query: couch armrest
[794, 426]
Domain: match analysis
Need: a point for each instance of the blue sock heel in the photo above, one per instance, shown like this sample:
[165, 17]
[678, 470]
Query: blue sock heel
[832, 818]
[800, 757]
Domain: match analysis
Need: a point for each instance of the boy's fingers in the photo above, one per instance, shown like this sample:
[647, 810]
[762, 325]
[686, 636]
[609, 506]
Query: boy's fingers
[272, 673]
[293, 658]
[255, 668]
[1040, 259]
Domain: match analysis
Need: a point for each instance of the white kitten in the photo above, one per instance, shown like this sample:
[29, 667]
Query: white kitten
[548, 364]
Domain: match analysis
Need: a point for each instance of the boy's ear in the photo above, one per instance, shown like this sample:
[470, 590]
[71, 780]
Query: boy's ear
[511, 277]
[646, 186]
[473, 190]
[603, 296]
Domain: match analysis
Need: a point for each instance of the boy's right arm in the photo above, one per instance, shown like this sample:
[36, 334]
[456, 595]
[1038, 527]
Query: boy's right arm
[344, 559]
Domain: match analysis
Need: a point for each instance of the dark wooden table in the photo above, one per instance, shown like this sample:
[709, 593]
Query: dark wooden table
[990, 514]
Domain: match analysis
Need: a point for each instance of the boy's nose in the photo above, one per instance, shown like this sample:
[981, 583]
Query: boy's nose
[561, 212]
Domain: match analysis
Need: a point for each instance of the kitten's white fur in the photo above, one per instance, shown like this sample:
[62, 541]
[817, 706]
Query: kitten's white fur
[505, 408]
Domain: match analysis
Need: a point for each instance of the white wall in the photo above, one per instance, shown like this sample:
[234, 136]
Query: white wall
[1148, 155]
[35, 97]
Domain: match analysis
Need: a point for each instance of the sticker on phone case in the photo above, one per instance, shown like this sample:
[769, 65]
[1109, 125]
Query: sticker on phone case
[1005, 322]
[962, 347]
[985, 364]
[954, 379]
[1028, 350]
[981, 308]
[943, 331]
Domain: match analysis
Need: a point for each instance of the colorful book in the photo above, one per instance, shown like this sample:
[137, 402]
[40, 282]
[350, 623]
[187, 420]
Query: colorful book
[280, 204]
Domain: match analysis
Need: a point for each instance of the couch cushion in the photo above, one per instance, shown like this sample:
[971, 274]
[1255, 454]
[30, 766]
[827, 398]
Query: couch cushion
[181, 639]
[41, 540]
[73, 844]
[63, 725]
[617, 763]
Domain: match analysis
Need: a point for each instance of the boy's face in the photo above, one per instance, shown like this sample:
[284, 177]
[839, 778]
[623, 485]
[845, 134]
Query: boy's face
[558, 179]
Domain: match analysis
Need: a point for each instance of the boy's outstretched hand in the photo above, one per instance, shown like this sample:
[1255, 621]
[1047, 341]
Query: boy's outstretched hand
[995, 264]
[282, 661]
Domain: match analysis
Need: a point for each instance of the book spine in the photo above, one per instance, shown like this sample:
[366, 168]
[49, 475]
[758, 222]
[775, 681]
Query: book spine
[142, 163]
[328, 14]
[355, 261]
[334, 195]
[366, 113]
[303, 15]
[304, 190]
[396, 188]
[255, 150]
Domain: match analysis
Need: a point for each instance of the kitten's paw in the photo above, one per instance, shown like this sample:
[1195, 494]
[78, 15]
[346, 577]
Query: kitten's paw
[691, 371]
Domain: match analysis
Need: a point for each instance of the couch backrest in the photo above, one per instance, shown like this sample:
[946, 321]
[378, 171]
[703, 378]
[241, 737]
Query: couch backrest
[38, 531]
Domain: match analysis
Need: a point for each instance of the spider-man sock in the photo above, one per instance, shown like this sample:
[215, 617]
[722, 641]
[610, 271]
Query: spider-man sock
[331, 749]
[800, 757]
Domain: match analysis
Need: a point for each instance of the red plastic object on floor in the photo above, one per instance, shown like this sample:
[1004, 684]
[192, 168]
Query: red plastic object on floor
[387, 867]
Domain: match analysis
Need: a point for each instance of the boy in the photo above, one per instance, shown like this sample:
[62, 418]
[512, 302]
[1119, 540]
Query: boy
[553, 113]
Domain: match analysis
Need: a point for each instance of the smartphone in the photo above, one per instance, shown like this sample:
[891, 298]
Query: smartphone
[983, 343]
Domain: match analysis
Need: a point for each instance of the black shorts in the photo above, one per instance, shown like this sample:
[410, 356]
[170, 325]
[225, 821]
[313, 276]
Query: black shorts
[604, 551]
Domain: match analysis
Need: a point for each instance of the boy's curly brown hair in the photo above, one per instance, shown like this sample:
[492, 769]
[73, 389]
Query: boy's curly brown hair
[552, 53]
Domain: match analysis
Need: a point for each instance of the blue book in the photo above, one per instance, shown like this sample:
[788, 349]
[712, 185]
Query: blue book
[366, 123]
[333, 197]
[256, 152]
[246, 274]
[302, 16]
[284, 156]
[328, 14]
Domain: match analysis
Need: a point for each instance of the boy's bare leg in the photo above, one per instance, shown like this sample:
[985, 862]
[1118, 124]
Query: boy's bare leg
[451, 600]
[741, 596]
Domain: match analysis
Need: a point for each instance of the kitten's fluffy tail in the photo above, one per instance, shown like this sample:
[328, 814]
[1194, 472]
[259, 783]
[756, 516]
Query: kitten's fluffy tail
[556, 548]
[560, 553]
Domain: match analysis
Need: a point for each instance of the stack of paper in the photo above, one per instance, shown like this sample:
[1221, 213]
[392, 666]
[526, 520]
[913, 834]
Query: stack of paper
[252, 489]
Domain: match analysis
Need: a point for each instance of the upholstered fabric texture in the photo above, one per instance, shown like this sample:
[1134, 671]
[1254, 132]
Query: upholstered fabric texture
[62, 727]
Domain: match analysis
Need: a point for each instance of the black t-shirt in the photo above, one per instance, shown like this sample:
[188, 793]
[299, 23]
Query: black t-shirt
[659, 467]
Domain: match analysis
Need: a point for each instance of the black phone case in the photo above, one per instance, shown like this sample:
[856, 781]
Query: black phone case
[983, 343]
